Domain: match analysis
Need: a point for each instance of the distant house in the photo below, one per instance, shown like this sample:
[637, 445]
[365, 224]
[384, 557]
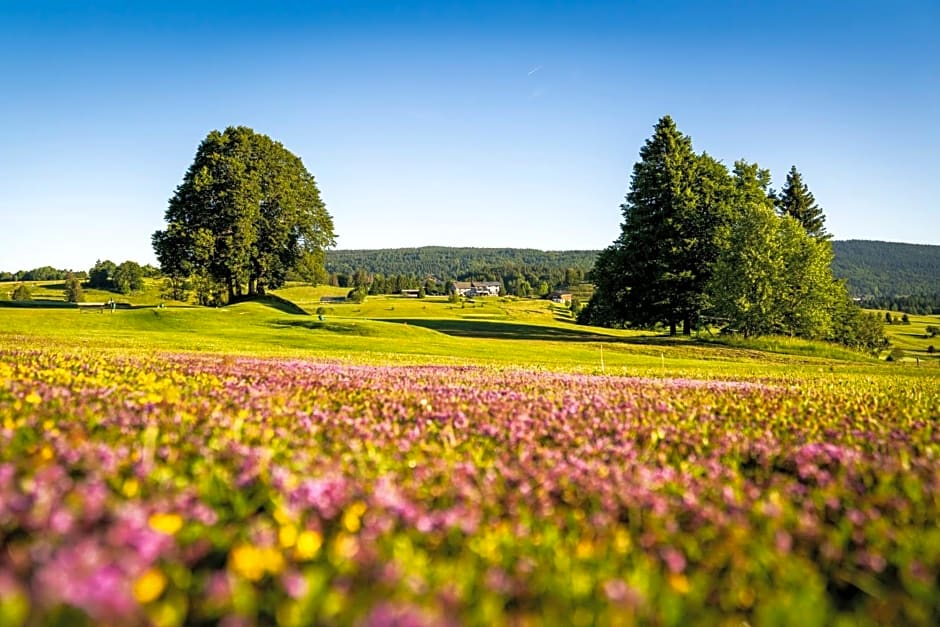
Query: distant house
[560, 297]
[410, 293]
[477, 288]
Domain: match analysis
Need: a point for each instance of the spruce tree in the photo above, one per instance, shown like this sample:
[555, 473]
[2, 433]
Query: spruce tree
[796, 200]
[657, 269]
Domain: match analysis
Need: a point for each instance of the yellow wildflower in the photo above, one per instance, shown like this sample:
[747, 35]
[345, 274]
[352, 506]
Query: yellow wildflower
[308, 545]
[253, 563]
[130, 488]
[287, 536]
[679, 582]
[149, 586]
[166, 523]
[353, 515]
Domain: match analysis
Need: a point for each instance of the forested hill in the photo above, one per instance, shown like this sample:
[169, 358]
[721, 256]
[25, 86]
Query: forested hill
[885, 269]
[871, 269]
[445, 262]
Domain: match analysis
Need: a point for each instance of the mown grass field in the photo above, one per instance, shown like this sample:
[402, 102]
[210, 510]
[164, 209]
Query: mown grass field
[508, 331]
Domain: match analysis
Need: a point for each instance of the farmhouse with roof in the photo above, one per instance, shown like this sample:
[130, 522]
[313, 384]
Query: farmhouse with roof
[477, 288]
[559, 296]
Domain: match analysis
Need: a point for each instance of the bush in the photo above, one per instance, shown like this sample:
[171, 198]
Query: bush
[22, 292]
[128, 277]
[931, 349]
[896, 354]
[357, 295]
[932, 330]
[73, 290]
[100, 274]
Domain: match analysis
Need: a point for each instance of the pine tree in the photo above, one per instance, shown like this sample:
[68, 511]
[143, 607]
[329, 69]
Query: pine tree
[796, 200]
[657, 269]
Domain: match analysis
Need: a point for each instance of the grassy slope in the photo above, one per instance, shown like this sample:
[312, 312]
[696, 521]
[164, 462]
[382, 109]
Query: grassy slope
[912, 338]
[408, 330]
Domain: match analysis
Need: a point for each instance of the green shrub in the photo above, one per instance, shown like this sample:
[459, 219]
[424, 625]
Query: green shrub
[896, 354]
[73, 290]
[357, 295]
[22, 292]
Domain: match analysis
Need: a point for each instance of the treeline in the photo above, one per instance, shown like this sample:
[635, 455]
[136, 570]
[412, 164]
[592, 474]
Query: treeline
[43, 273]
[921, 305]
[885, 269]
[444, 261]
[521, 271]
[123, 278]
[516, 281]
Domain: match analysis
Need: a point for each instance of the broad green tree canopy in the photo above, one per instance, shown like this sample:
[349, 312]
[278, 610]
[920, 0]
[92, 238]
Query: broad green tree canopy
[247, 213]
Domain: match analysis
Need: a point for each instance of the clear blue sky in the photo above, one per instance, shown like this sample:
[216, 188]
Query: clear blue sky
[458, 123]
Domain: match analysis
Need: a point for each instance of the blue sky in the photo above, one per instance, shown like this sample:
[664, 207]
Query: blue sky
[458, 123]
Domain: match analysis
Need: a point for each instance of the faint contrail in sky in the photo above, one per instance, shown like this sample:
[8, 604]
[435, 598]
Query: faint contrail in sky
[534, 70]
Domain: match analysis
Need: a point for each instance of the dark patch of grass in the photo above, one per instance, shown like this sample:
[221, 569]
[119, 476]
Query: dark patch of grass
[276, 302]
[38, 303]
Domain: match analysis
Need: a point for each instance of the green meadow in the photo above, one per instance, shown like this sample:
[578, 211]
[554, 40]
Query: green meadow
[303, 321]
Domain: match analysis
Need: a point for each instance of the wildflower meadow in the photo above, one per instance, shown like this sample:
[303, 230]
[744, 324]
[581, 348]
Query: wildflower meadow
[173, 489]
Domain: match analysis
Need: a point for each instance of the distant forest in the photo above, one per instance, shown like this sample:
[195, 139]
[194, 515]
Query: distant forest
[446, 262]
[886, 275]
[889, 275]
[522, 271]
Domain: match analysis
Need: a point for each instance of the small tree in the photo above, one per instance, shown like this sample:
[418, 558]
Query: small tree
[575, 306]
[421, 292]
[896, 354]
[128, 277]
[454, 296]
[100, 274]
[73, 290]
[932, 330]
[905, 319]
[22, 293]
[888, 318]
[357, 295]
[931, 349]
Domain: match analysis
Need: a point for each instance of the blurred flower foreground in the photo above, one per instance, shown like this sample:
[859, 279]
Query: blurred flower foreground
[191, 490]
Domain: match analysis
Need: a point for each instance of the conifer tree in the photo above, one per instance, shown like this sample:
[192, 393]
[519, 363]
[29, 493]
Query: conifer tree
[657, 269]
[796, 200]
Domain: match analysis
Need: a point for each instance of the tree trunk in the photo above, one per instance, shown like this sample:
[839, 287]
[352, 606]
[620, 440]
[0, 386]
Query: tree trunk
[252, 286]
[686, 327]
[672, 327]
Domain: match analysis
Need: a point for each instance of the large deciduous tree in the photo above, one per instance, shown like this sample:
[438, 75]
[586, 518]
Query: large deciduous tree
[797, 201]
[247, 213]
[771, 276]
[657, 269]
